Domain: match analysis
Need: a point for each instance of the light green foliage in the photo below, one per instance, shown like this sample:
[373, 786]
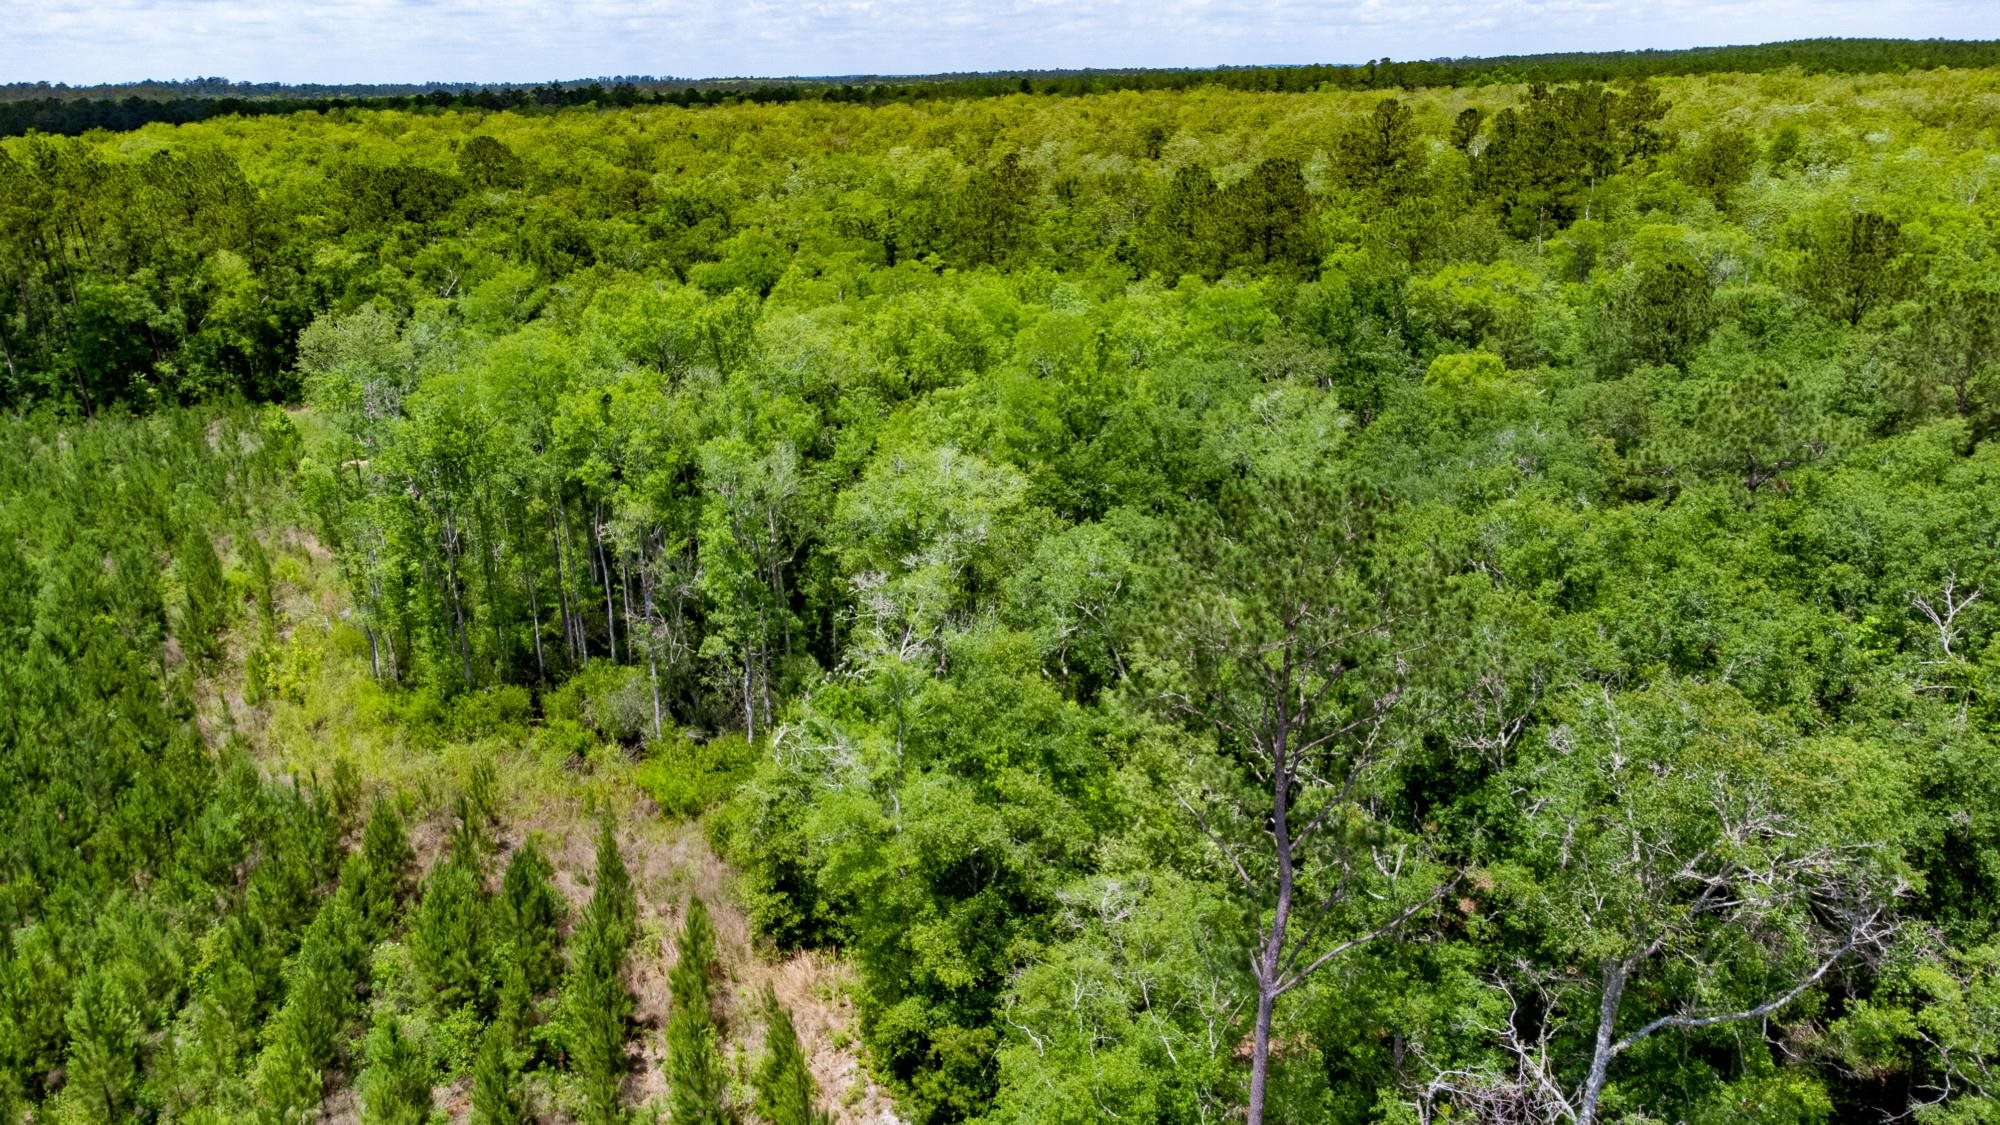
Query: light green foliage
[952, 501]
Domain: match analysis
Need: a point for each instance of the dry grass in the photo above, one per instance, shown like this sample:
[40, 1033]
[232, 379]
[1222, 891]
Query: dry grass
[325, 707]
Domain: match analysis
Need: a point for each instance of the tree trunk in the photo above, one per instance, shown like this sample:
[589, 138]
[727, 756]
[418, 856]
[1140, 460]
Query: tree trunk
[1270, 960]
[749, 701]
[604, 571]
[1615, 975]
[457, 608]
[534, 612]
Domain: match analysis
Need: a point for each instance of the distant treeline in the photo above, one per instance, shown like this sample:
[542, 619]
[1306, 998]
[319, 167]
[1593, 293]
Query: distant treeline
[26, 107]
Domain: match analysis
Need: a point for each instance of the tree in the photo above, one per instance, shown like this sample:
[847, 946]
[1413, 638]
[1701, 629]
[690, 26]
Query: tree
[1691, 864]
[1856, 266]
[1950, 342]
[1286, 642]
[528, 918]
[697, 1085]
[380, 884]
[104, 1027]
[597, 1006]
[1269, 217]
[487, 162]
[1381, 153]
[496, 1097]
[1719, 164]
[1181, 232]
[451, 937]
[395, 1084]
[784, 1085]
[203, 609]
[995, 219]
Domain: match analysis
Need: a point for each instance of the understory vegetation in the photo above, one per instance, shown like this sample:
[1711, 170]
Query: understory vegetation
[1464, 604]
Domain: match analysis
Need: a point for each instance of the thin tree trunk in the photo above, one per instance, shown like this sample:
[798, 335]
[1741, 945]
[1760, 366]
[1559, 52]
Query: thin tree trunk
[457, 607]
[652, 641]
[1270, 960]
[572, 620]
[534, 611]
[1615, 975]
[604, 571]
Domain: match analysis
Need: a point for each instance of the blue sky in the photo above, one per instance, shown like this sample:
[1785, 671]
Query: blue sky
[531, 40]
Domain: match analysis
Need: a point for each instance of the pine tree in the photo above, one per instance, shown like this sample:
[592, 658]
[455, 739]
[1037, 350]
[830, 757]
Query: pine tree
[204, 607]
[530, 918]
[104, 1029]
[596, 1004]
[784, 1085]
[449, 934]
[395, 1087]
[611, 892]
[380, 882]
[319, 1001]
[696, 1082]
[496, 1097]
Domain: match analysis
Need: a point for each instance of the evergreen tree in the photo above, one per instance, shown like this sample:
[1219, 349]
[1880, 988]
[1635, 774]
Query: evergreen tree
[611, 889]
[496, 1096]
[204, 608]
[696, 1082]
[380, 883]
[597, 1005]
[104, 1028]
[320, 998]
[529, 918]
[395, 1085]
[784, 1085]
[449, 938]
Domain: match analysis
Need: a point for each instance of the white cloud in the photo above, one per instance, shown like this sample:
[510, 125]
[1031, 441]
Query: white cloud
[528, 40]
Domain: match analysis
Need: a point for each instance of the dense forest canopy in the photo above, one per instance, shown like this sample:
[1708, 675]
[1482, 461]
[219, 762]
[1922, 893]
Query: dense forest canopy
[70, 110]
[1460, 604]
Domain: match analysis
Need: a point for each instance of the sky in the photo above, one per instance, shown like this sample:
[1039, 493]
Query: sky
[536, 40]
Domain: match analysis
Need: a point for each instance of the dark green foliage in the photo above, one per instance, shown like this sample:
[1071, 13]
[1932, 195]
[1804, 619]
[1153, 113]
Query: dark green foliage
[451, 934]
[596, 1003]
[611, 897]
[784, 1085]
[696, 1082]
[321, 998]
[378, 880]
[1381, 153]
[496, 1094]
[1719, 163]
[528, 918]
[1857, 266]
[203, 609]
[395, 1082]
[489, 163]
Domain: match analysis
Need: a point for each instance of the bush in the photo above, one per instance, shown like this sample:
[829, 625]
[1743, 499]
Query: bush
[686, 778]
